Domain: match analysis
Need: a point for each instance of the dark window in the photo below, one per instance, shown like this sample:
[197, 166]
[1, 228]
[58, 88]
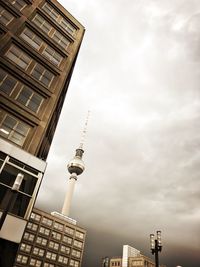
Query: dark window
[50, 11]
[42, 23]
[18, 4]
[31, 38]
[60, 39]
[5, 16]
[18, 57]
[52, 55]
[42, 75]
[14, 130]
[30, 99]
[7, 82]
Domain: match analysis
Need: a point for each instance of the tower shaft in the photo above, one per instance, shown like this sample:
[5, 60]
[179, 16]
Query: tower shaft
[69, 194]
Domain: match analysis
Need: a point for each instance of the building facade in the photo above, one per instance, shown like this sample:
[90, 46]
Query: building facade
[39, 45]
[49, 241]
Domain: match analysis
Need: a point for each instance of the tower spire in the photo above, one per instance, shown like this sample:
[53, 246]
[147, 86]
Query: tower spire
[84, 131]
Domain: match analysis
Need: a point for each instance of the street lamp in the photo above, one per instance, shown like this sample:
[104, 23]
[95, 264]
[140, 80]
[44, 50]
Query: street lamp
[156, 246]
[12, 197]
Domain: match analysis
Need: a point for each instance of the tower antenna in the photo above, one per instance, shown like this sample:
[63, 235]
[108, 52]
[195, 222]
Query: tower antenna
[84, 130]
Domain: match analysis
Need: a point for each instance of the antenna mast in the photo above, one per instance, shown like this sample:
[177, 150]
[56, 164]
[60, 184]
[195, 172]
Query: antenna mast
[84, 131]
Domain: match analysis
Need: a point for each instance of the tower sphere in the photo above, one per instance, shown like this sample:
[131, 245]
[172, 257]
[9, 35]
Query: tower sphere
[76, 165]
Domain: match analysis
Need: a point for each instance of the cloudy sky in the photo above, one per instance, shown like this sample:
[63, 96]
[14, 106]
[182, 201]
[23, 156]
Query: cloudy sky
[138, 71]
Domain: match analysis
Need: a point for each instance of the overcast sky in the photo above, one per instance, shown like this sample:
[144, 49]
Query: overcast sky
[138, 71]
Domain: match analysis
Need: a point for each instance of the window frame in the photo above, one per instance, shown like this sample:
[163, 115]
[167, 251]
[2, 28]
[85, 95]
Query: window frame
[29, 99]
[2, 11]
[10, 54]
[13, 131]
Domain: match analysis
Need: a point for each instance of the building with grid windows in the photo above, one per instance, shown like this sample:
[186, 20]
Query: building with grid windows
[50, 242]
[39, 45]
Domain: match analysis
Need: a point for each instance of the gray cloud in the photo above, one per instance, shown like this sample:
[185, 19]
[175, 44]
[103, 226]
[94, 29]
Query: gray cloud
[138, 71]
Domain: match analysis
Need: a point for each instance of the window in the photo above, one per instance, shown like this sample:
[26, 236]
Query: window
[56, 235]
[44, 231]
[25, 247]
[58, 226]
[78, 244]
[41, 241]
[32, 226]
[14, 130]
[46, 264]
[63, 259]
[5, 16]
[79, 235]
[28, 236]
[50, 11]
[74, 263]
[53, 245]
[65, 249]
[42, 75]
[69, 230]
[76, 253]
[7, 82]
[67, 239]
[47, 221]
[35, 217]
[29, 99]
[38, 252]
[34, 262]
[22, 259]
[60, 39]
[42, 23]
[51, 256]
[67, 26]
[52, 55]
[31, 38]
[18, 4]
[46, 27]
[18, 57]
[136, 263]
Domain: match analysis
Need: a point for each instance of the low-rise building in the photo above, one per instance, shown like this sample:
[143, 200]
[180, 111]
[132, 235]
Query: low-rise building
[50, 241]
[131, 257]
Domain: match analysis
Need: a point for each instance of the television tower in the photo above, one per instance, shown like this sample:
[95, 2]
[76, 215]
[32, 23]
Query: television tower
[75, 167]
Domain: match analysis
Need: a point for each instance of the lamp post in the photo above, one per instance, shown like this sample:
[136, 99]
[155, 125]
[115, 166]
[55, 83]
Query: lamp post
[156, 246]
[12, 197]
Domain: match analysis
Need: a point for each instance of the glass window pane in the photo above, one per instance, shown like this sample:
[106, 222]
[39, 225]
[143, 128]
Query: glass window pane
[31, 38]
[50, 11]
[7, 82]
[20, 58]
[35, 102]
[14, 130]
[41, 23]
[43, 75]
[5, 16]
[24, 95]
[18, 4]
[22, 129]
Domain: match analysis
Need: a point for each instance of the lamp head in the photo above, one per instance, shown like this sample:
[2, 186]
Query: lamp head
[152, 242]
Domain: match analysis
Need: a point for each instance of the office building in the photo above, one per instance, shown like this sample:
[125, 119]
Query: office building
[50, 241]
[39, 45]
